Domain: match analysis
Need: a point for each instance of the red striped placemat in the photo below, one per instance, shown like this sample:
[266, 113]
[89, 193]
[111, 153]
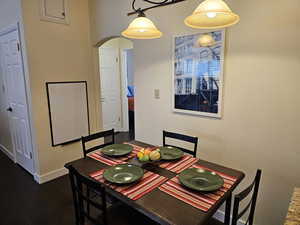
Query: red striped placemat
[202, 201]
[137, 190]
[97, 155]
[178, 166]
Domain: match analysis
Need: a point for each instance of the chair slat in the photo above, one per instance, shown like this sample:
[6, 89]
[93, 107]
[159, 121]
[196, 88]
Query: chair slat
[244, 210]
[97, 147]
[245, 192]
[181, 137]
[96, 136]
[88, 200]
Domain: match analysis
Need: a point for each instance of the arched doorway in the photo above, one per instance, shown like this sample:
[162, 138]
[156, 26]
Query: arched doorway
[116, 85]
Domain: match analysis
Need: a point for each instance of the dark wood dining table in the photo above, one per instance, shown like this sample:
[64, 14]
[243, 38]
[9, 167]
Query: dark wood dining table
[159, 206]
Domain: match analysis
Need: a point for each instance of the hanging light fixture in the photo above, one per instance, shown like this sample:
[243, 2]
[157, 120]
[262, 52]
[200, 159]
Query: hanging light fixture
[142, 28]
[205, 40]
[212, 14]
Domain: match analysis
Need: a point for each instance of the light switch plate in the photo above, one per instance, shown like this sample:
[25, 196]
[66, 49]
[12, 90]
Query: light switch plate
[156, 94]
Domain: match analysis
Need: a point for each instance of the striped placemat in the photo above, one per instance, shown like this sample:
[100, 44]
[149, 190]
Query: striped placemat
[137, 190]
[97, 155]
[178, 166]
[198, 200]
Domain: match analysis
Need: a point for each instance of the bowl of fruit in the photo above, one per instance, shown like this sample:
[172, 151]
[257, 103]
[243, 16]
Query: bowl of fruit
[148, 155]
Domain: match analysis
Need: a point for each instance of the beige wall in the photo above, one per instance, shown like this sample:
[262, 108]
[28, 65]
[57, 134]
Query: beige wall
[10, 13]
[260, 127]
[57, 52]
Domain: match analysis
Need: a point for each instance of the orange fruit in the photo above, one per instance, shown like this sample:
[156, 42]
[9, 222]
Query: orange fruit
[147, 151]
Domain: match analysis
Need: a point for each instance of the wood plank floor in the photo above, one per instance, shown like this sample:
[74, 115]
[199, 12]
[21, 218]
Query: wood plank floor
[24, 202]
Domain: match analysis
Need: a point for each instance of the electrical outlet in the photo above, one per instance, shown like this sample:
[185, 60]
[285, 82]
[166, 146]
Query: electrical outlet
[156, 94]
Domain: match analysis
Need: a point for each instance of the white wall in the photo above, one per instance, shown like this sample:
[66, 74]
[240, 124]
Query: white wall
[260, 127]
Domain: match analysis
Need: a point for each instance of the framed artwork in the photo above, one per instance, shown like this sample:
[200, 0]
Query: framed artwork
[198, 73]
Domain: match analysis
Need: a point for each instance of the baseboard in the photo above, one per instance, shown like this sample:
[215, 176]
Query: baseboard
[50, 176]
[220, 215]
[8, 153]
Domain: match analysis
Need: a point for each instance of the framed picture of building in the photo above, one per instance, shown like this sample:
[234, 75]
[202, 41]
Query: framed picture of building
[198, 73]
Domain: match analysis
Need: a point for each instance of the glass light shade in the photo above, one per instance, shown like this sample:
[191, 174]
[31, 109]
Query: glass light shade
[212, 14]
[206, 40]
[142, 28]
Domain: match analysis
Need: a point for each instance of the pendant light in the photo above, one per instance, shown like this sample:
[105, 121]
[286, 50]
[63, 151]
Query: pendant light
[212, 14]
[142, 28]
[205, 40]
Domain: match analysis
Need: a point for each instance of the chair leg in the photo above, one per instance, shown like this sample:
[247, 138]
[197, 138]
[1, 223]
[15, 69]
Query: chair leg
[104, 207]
[228, 210]
[87, 204]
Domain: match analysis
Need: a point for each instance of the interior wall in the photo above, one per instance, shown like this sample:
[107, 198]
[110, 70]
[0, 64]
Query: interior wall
[10, 13]
[259, 127]
[57, 52]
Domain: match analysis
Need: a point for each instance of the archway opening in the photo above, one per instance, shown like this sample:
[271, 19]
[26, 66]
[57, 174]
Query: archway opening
[116, 85]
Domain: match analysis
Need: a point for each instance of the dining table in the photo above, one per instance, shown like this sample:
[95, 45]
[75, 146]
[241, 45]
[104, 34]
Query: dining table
[161, 207]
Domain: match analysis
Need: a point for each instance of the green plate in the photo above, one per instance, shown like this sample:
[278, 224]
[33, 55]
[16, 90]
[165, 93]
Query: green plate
[201, 180]
[170, 153]
[123, 174]
[117, 150]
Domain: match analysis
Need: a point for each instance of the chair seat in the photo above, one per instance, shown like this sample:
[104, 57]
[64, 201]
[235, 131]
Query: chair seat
[214, 221]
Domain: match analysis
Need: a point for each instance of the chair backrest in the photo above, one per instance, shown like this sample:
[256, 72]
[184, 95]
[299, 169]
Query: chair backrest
[83, 200]
[237, 214]
[92, 137]
[181, 137]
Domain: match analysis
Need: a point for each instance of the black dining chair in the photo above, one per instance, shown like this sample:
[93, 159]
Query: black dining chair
[100, 213]
[237, 213]
[103, 134]
[181, 137]
[109, 138]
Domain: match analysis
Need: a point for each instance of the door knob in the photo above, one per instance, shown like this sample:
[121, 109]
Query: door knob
[9, 109]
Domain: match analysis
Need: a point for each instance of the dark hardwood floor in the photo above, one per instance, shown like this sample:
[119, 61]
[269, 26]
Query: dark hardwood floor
[24, 202]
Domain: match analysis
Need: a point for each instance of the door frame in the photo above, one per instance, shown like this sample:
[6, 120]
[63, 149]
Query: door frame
[124, 83]
[17, 26]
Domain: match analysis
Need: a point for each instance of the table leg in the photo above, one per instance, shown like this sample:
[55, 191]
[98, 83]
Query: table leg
[228, 209]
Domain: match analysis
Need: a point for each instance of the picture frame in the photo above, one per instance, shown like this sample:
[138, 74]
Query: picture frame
[197, 74]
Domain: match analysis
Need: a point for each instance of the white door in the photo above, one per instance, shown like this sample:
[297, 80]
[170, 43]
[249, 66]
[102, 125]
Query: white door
[13, 75]
[110, 88]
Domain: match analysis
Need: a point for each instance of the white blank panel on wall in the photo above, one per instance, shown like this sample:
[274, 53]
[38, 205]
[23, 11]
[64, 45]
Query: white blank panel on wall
[68, 111]
[55, 11]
